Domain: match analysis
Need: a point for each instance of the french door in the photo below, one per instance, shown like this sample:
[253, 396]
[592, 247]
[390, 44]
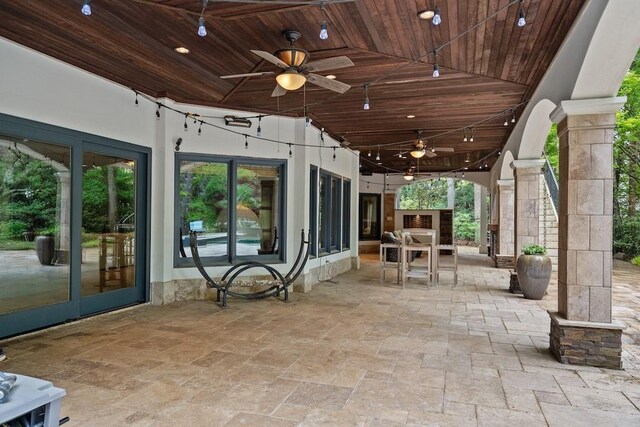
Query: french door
[73, 225]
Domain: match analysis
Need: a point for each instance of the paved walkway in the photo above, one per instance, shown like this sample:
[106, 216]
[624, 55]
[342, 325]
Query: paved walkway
[348, 353]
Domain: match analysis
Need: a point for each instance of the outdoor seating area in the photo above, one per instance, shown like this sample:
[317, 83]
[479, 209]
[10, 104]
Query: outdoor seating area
[473, 354]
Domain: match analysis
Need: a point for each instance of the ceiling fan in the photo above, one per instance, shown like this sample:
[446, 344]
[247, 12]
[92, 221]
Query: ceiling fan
[419, 149]
[296, 69]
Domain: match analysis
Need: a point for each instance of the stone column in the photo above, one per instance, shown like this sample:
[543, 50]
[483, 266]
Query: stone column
[582, 331]
[506, 224]
[63, 215]
[527, 203]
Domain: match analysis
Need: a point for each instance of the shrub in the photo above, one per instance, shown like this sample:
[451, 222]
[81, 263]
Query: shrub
[626, 236]
[465, 226]
[534, 250]
[636, 261]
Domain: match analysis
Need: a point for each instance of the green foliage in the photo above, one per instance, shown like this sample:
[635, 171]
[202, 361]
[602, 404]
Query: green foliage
[636, 261]
[626, 236]
[95, 198]
[551, 148]
[534, 250]
[465, 226]
[426, 194]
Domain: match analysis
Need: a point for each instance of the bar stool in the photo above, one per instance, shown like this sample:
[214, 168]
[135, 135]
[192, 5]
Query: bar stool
[392, 265]
[453, 268]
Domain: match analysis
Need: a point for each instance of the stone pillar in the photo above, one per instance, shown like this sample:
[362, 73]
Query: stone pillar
[582, 331]
[506, 224]
[527, 203]
[63, 214]
[451, 193]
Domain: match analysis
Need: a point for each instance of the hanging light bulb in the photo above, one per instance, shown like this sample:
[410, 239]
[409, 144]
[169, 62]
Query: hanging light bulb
[486, 165]
[513, 118]
[471, 139]
[366, 97]
[86, 8]
[408, 175]
[369, 153]
[158, 111]
[378, 157]
[324, 34]
[437, 19]
[290, 152]
[307, 122]
[186, 127]
[334, 154]
[521, 19]
[465, 139]
[463, 174]
[433, 149]
[436, 70]
[200, 128]
[259, 130]
[202, 30]
[506, 122]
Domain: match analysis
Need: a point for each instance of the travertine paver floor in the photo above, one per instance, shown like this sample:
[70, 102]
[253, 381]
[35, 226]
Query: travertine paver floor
[348, 353]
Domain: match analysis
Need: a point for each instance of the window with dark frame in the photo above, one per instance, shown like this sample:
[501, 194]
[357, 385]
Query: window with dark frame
[313, 210]
[346, 214]
[330, 213]
[243, 229]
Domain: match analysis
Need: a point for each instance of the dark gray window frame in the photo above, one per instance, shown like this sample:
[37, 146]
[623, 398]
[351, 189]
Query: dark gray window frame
[346, 214]
[232, 166]
[331, 230]
[313, 210]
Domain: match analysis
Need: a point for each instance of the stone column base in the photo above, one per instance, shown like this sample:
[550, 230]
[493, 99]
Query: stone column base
[503, 261]
[576, 342]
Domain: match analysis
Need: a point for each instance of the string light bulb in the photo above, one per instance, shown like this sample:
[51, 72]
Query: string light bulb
[471, 139]
[246, 142]
[158, 111]
[334, 154]
[437, 19]
[200, 128]
[259, 130]
[465, 139]
[324, 34]
[506, 121]
[86, 8]
[369, 153]
[513, 117]
[186, 127]
[366, 105]
[291, 152]
[436, 69]
[136, 98]
[202, 29]
[521, 18]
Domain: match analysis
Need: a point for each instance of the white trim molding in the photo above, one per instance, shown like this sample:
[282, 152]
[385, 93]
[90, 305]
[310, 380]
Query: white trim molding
[527, 163]
[581, 107]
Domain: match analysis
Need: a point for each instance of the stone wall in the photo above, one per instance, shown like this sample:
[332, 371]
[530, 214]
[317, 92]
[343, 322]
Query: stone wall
[593, 345]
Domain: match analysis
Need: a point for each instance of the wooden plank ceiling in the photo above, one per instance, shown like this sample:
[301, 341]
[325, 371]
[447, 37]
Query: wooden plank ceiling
[490, 67]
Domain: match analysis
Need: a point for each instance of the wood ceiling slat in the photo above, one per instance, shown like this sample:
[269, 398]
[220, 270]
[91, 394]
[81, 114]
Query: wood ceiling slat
[483, 73]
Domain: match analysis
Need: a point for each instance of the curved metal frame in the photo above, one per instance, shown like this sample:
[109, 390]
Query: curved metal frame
[281, 284]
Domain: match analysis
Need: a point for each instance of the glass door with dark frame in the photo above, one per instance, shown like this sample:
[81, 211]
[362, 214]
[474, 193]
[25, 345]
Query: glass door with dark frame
[369, 224]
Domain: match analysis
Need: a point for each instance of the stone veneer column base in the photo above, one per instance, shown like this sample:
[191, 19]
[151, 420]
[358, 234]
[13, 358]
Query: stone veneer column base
[576, 342]
[503, 261]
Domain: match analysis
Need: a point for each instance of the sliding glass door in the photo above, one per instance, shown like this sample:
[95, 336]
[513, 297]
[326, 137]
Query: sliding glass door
[73, 225]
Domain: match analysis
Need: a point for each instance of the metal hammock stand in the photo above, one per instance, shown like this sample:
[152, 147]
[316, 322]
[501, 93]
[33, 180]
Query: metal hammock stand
[279, 283]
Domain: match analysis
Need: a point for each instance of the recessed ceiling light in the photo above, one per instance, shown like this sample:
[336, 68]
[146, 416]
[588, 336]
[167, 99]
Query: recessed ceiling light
[181, 49]
[426, 14]
[411, 116]
[331, 77]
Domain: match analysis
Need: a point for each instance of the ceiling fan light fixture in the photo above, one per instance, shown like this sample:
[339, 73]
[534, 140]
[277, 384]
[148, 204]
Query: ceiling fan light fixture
[181, 49]
[408, 175]
[417, 153]
[331, 76]
[291, 79]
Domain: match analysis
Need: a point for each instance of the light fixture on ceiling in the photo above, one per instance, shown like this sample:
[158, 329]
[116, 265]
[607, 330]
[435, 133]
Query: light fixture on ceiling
[86, 8]
[521, 19]
[426, 14]
[202, 29]
[378, 155]
[237, 121]
[513, 117]
[506, 121]
[408, 175]
[471, 138]
[437, 19]
[259, 130]
[331, 77]
[436, 69]
[467, 159]
[291, 79]
[411, 116]
[324, 34]
[181, 49]
[369, 153]
[418, 150]
[366, 105]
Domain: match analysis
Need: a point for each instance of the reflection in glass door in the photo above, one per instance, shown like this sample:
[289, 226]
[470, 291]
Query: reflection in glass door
[35, 190]
[108, 223]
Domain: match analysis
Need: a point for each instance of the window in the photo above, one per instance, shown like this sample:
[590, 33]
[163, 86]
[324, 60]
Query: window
[313, 210]
[369, 226]
[329, 231]
[235, 206]
[346, 214]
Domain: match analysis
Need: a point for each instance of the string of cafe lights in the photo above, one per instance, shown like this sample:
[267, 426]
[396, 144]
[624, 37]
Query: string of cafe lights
[435, 16]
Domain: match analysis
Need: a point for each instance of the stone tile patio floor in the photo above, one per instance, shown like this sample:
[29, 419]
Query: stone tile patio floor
[353, 352]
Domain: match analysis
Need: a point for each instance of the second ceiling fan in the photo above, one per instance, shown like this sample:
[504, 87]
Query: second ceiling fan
[297, 69]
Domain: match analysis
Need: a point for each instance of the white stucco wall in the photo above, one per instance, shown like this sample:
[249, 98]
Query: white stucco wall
[36, 87]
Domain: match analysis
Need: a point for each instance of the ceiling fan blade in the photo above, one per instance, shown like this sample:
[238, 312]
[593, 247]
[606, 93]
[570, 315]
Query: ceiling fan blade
[429, 154]
[444, 149]
[278, 91]
[237, 76]
[326, 83]
[268, 57]
[328, 64]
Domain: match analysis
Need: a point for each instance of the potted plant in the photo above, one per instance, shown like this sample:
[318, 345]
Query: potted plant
[534, 271]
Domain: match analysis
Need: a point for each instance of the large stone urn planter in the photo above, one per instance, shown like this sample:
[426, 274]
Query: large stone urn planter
[534, 273]
[45, 249]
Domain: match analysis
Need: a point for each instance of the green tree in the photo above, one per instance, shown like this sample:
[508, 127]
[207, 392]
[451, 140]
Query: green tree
[427, 194]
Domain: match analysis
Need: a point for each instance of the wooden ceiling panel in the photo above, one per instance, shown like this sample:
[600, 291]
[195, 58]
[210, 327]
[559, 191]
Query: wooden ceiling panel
[488, 64]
